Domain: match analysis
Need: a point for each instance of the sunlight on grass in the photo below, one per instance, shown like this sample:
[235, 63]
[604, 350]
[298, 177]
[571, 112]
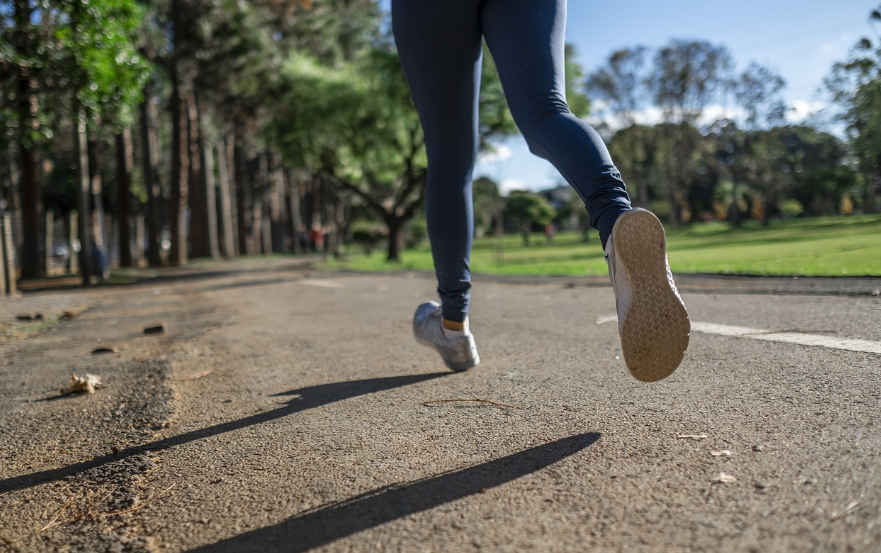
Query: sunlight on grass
[823, 246]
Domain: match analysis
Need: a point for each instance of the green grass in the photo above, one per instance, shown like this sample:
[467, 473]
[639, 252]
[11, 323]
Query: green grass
[822, 246]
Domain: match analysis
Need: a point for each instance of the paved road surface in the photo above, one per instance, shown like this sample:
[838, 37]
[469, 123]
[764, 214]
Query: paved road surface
[288, 410]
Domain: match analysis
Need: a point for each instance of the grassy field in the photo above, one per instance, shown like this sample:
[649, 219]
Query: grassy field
[823, 246]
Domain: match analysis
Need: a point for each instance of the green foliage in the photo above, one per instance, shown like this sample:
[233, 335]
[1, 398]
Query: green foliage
[417, 232]
[791, 208]
[368, 236]
[99, 51]
[526, 209]
[855, 86]
[635, 151]
[354, 119]
[496, 120]
[620, 84]
[487, 202]
[687, 76]
[579, 103]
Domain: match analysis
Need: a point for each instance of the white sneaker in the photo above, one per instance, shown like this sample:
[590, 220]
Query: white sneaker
[652, 320]
[459, 353]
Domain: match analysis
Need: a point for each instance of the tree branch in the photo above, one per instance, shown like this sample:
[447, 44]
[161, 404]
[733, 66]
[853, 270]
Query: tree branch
[355, 189]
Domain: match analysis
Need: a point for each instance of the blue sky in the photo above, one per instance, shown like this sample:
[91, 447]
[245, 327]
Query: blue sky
[800, 39]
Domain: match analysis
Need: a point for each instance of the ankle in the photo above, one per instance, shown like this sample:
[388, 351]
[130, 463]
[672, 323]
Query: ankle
[453, 325]
[452, 329]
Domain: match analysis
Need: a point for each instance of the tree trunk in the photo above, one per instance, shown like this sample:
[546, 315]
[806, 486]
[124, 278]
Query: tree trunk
[199, 199]
[210, 199]
[229, 147]
[98, 226]
[341, 220]
[49, 236]
[734, 214]
[140, 239]
[870, 197]
[3, 260]
[73, 265]
[7, 256]
[395, 237]
[264, 245]
[124, 164]
[29, 183]
[255, 187]
[227, 236]
[149, 148]
[309, 186]
[179, 171]
[295, 218]
[276, 208]
[83, 195]
[243, 211]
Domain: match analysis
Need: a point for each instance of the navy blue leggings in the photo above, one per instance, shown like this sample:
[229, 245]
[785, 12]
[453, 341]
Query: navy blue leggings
[440, 46]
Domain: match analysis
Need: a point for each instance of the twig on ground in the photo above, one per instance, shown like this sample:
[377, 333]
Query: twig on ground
[851, 507]
[478, 400]
[193, 377]
[55, 522]
[139, 506]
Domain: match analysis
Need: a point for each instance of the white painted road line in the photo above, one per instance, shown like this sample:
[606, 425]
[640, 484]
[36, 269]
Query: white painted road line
[815, 340]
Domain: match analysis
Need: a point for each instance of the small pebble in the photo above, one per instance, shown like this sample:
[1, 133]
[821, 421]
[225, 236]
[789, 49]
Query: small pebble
[97, 351]
[157, 329]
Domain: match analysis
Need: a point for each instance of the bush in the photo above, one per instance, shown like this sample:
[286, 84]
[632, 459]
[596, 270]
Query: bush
[368, 237]
[416, 233]
[791, 208]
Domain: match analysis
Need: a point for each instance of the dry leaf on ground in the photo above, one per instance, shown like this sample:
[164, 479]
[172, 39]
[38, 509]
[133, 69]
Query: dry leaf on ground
[88, 384]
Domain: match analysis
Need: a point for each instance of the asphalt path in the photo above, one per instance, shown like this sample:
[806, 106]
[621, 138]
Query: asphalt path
[285, 409]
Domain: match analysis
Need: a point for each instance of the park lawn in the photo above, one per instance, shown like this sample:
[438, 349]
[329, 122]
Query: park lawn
[820, 246]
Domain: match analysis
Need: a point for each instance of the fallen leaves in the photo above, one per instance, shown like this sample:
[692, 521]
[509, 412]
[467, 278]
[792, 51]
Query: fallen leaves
[724, 478]
[691, 436]
[79, 384]
[851, 507]
[477, 400]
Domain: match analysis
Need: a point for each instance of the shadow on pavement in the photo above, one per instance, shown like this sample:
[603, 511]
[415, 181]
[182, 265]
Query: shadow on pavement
[338, 520]
[197, 273]
[306, 398]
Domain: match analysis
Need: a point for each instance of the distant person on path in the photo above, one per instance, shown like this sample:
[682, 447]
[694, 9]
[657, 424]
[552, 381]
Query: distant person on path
[440, 46]
[316, 238]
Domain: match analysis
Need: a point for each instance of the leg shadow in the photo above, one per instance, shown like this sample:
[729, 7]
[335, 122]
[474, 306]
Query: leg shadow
[338, 520]
[304, 398]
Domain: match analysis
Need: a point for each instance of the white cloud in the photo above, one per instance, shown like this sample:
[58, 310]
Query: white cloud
[499, 153]
[802, 109]
[507, 185]
[649, 116]
[653, 115]
[715, 112]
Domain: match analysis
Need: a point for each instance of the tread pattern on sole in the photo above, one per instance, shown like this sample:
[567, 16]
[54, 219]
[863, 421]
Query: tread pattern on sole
[656, 328]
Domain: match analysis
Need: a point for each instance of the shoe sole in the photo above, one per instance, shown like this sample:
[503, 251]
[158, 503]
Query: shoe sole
[655, 331]
[458, 367]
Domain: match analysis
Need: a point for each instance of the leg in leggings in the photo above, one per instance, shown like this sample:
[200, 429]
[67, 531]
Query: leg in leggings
[440, 45]
[527, 40]
[439, 42]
